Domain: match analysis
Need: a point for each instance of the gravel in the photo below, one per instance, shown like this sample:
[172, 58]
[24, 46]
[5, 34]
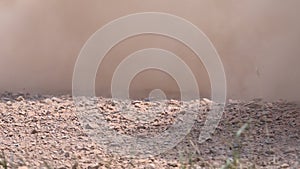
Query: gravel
[43, 131]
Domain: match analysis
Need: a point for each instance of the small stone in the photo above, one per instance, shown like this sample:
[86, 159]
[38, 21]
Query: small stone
[75, 166]
[152, 166]
[58, 100]
[22, 167]
[285, 165]
[207, 101]
[67, 154]
[94, 167]
[137, 105]
[22, 113]
[34, 131]
[172, 164]
[54, 157]
[47, 101]
[9, 103]
[135, 102]
[20, 98]
[62, 167]
[202, 102]
[10, 134]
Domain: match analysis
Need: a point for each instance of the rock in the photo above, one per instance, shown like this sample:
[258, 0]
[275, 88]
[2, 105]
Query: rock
[22, 113]
[136, 101]
[62, 167]
[75, 166]
[94, 166]
[58, 100]
[10, 134]
[172, 164]
[150, 166]
[67, 154]
[34, 131]
[207, 101]
[285, 165]
[47, 101]
[20, 98]
[23, 167]
[9, 103]
[203, 103]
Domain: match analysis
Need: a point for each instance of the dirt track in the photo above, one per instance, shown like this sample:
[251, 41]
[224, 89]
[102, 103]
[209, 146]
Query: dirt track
[41, 131]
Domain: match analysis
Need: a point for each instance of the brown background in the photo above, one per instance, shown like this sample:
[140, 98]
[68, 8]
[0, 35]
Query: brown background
[258, 42]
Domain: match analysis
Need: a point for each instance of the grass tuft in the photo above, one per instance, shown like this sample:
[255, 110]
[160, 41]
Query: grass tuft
[233, 163]
[3, 161]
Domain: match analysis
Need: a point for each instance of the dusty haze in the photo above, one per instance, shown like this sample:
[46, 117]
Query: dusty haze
[258, 42]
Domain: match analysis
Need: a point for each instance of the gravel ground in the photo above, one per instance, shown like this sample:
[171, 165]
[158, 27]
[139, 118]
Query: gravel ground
[44, 132]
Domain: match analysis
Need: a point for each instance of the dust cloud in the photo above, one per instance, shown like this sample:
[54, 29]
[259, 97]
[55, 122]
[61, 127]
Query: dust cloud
[258, 42]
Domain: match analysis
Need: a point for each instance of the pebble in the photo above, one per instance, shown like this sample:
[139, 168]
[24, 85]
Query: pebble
[285, 165]
[96, 166]
[9, 103]
[62, 167]
[34, 131]
[20, 98]
[173, 164]
[67, 154]
[207, 101]
[152, 166]
[23, 167]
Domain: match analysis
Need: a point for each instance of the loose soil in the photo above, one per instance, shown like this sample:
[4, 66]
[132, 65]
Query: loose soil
[42, 131]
